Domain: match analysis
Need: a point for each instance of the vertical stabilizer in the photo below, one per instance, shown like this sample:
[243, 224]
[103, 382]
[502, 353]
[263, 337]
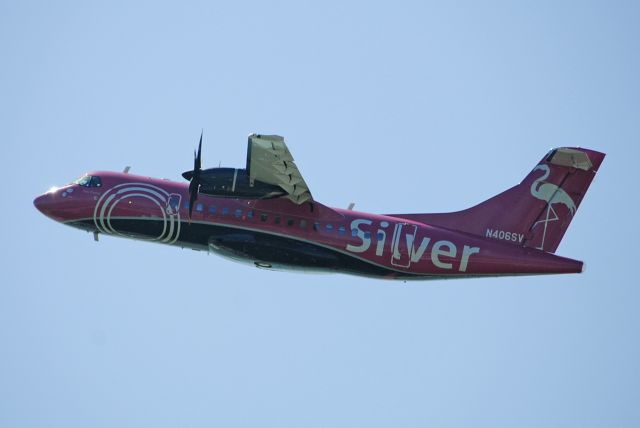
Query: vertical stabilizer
[535, 213]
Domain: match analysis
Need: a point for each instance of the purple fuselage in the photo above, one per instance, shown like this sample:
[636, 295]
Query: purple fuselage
[277, 233]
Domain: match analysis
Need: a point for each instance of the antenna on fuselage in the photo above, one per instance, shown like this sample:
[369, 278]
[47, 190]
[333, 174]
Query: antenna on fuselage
[351, 205]
[126, 169]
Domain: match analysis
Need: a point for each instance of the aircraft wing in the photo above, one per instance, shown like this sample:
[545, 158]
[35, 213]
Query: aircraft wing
[269, 161]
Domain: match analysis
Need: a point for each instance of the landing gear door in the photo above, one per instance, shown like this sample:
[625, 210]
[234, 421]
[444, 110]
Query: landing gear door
[402, 244]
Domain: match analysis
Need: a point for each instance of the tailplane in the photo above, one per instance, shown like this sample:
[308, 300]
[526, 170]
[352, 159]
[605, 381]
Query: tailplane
[535, 213]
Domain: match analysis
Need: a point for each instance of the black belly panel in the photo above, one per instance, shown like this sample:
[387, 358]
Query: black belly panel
[263, 249]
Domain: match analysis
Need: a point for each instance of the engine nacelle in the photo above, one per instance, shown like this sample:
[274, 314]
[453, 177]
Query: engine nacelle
[233, 183]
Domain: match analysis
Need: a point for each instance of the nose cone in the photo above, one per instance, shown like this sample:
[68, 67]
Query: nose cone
[56, 204]
[44, 203]
[65, 204]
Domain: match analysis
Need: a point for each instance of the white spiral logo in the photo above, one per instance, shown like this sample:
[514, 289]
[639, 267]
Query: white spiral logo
[169, 215]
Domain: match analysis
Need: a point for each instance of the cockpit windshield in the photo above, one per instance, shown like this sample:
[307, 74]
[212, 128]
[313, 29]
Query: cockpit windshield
[89, 181]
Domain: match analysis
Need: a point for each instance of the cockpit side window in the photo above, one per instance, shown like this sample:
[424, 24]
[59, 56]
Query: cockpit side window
[95, 182]
[89, 181]
[83, 181]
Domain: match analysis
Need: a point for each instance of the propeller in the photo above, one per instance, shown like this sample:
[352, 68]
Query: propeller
[194, 184]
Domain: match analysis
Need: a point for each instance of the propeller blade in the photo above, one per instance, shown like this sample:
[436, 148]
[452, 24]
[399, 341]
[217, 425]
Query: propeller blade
[194, 184]
[193, 196]
[198, 161]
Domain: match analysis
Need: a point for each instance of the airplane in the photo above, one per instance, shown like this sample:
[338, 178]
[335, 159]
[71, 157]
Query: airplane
[264, 214]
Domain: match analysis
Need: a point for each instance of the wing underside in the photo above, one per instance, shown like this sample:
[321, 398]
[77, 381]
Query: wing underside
[269, 161]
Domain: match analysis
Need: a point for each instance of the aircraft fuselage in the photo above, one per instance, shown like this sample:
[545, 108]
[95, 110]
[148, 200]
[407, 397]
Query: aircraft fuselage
[280, 234]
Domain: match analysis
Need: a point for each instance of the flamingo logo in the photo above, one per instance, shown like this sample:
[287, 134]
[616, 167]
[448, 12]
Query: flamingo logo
[551, 194]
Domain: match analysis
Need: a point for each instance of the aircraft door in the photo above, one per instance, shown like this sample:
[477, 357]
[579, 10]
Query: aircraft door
[402, 244]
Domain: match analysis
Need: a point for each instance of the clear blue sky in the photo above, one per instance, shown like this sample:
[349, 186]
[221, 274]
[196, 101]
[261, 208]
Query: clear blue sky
[403, 107]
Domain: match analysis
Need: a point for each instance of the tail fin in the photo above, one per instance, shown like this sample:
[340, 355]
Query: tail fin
[535, 213]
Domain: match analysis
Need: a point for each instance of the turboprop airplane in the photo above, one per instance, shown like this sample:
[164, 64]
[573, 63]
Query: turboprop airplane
[265, 214]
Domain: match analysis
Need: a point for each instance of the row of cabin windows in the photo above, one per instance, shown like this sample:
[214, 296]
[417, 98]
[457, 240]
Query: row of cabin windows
[264, 217]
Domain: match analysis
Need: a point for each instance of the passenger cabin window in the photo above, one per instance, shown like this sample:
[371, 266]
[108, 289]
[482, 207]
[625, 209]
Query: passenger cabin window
[264, 217]
[174, 203]
[329, 227]
[341, 230]
[290, 222]
[238, 213]
[199, 207]
[250, 214]
[212, 209]
[303, 224]
[225, 211]
[276, 219]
